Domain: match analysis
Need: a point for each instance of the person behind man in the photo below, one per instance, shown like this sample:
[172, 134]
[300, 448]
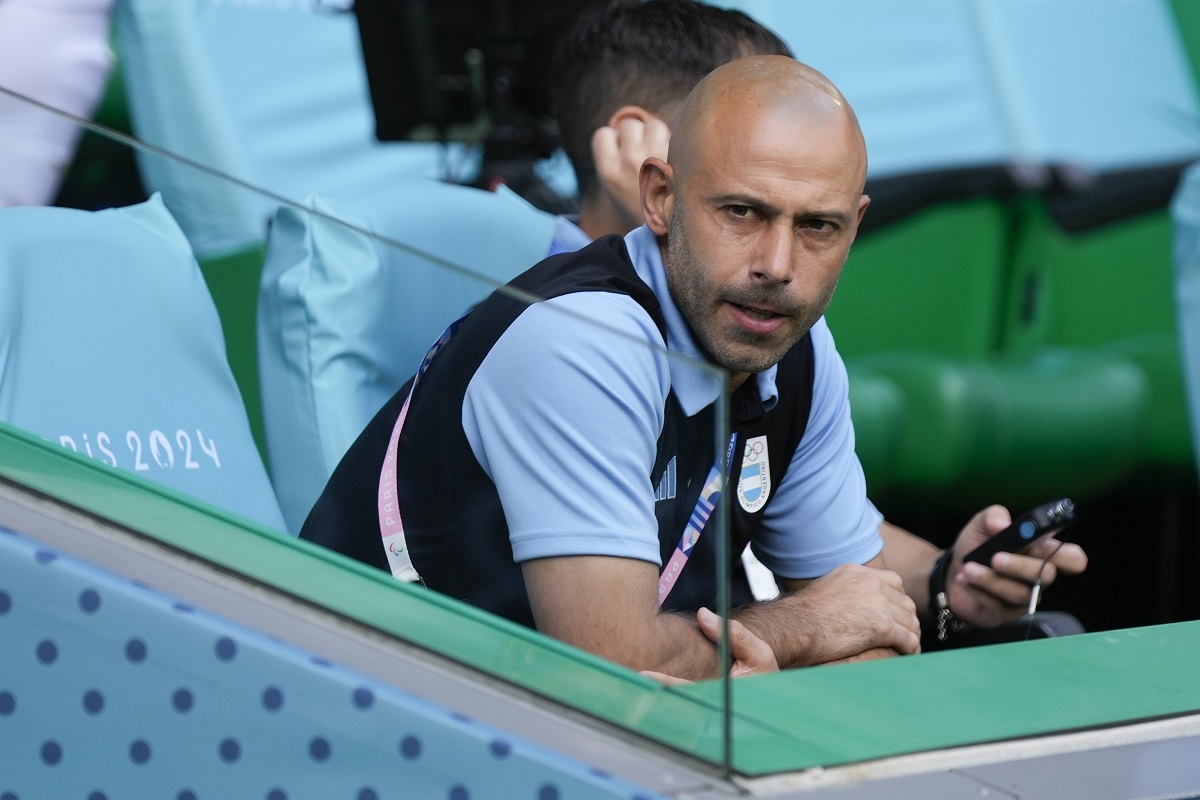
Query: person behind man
[527, 457]
[619, 74]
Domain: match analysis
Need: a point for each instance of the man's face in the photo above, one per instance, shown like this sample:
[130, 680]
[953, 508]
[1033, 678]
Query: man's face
[760, 226]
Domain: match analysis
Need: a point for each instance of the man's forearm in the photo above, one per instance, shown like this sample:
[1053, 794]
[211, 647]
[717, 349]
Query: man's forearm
[608, 606]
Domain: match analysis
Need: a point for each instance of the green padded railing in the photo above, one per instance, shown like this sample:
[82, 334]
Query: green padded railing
[1024, 361]
[1108, 292]
[934, 283]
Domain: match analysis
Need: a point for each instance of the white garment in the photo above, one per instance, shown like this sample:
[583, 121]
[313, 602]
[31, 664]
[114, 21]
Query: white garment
[57, 52]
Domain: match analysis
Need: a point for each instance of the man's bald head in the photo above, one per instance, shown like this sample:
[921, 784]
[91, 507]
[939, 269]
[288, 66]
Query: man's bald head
[762, 90]
[757, 207]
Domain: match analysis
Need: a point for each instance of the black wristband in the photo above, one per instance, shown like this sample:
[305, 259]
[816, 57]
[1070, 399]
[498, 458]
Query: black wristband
[939, 600]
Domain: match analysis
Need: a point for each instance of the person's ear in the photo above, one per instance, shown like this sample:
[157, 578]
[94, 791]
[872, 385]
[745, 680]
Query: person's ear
[630, 113]
[863, 202]
[657, 185]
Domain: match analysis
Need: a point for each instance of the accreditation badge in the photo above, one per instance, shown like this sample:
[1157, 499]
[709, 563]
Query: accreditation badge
[754, 481]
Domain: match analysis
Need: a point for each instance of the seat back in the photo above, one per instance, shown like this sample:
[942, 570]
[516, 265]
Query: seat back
[110, 345]
[346, 316]
[272, 93]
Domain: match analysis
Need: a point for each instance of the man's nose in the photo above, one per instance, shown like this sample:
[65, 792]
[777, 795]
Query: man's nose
[774, 261]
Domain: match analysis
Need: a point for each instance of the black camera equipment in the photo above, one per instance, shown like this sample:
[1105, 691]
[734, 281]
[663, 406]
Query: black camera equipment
[468, 69]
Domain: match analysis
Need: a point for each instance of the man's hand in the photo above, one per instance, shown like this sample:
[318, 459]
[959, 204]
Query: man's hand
[1000, 593]
[854, 613]
[751, 655]
[619, 149]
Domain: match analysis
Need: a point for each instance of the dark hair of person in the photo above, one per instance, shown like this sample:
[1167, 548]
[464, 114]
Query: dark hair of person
[648, 53]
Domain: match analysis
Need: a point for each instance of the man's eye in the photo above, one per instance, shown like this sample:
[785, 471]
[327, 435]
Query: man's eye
[817, 224]
[740, 211]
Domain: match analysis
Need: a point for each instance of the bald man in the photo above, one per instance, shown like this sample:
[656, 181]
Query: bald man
[560, 474]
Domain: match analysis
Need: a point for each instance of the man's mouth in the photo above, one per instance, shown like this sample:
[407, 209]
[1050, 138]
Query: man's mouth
[756, 312]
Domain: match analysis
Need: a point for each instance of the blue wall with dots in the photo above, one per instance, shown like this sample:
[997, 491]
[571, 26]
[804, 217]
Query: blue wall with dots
[111, 689]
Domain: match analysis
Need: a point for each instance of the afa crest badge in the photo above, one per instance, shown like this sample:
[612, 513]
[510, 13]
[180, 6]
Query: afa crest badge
[754, 481]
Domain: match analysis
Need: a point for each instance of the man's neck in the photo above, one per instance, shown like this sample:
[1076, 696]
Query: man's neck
[599, 216]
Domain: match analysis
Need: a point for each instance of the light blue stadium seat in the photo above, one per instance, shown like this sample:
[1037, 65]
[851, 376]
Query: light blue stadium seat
[274, 93]
[110, 345]
[344, 318]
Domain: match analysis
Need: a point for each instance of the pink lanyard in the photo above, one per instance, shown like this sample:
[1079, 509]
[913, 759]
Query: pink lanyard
[391, 525]
[705, 504]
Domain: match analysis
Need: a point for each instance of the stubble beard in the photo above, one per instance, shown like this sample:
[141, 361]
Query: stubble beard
[737, 351]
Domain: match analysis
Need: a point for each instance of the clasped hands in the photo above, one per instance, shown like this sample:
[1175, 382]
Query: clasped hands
[860, 613]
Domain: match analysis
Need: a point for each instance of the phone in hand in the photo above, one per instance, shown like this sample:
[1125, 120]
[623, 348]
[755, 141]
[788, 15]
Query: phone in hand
[1035, 524]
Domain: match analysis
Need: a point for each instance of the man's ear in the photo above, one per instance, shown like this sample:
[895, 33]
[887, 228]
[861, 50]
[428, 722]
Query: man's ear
[657, 184]
[630, 112]
[863, 202]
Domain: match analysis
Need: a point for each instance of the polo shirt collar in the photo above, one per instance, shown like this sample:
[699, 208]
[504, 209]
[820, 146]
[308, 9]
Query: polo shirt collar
[568, 236]
[695, 389]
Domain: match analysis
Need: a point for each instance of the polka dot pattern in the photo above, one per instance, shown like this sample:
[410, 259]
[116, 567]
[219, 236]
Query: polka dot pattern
[93, 702]
[47, 651]
[135, 651]
[272, 698]
[52, 753]
[230, 750]
[126, 691]
[363, 697]
[139, 752]
[182, 701]
[410, 748]
[89, 600]
[226, 648]
[318, 748]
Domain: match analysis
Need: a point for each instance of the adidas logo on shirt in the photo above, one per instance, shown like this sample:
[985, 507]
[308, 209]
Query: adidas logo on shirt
[666, 484]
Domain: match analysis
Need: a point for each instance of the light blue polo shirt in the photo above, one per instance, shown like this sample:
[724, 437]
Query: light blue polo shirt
[565, 412]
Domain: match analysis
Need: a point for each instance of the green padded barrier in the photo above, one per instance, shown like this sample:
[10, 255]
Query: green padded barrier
[1108, 290]
[1006, 430]
[784, 722]
[1089, 288]
[858, 712]
[1167, 439]
[933, 283]
[1187, 15]
[877, 410]
[233, 282]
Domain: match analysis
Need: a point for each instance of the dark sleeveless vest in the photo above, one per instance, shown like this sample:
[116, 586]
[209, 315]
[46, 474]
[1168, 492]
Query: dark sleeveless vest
[454, 524]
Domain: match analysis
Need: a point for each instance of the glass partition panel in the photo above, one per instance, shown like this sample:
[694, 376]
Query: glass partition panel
[310, 333]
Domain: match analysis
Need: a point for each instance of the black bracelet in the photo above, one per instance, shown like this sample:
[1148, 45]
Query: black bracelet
[939, 601]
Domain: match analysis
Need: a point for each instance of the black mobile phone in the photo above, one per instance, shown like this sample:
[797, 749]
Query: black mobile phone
[1045, 520]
